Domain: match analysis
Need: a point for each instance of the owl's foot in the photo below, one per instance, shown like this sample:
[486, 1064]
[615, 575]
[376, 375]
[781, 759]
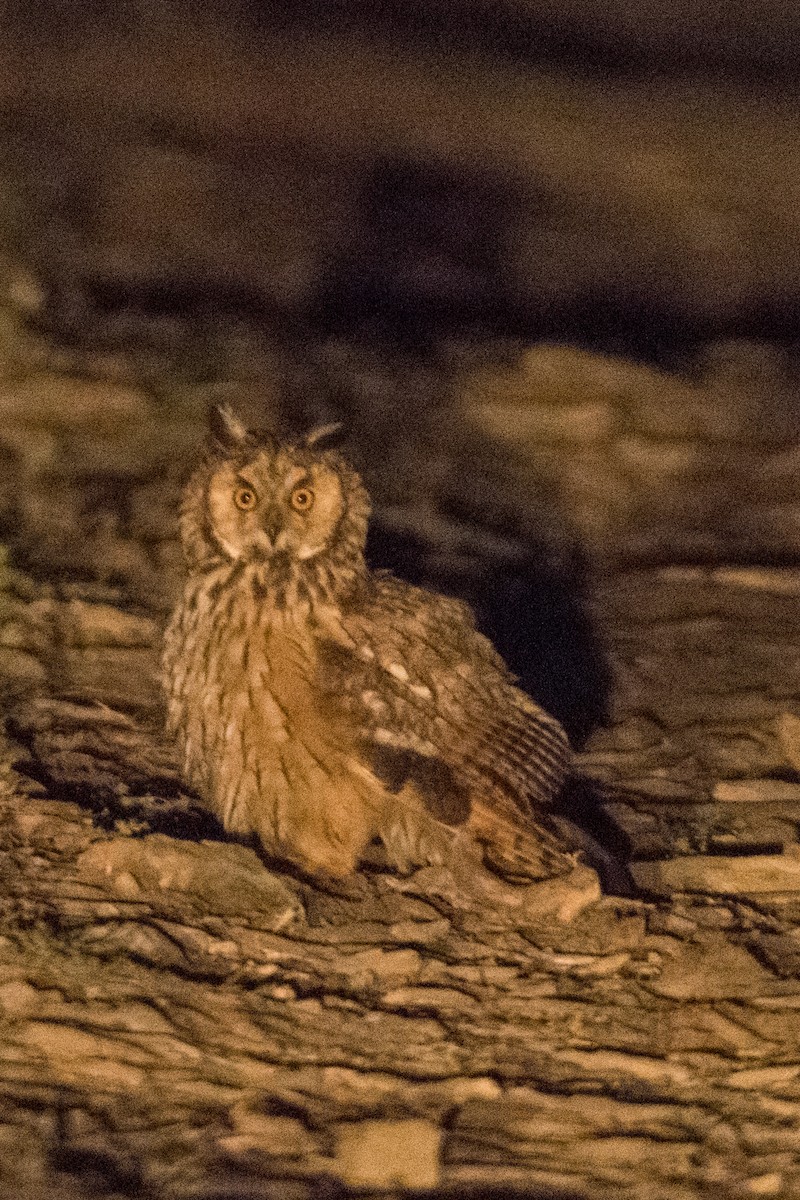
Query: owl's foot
[563, 898]
[556, 899]
[409, 842]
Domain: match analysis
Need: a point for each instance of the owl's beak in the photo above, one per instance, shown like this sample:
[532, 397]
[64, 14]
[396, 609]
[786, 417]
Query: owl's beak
[271, 527]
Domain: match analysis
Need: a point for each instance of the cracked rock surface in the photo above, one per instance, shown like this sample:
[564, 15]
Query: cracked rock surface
[179, 1019]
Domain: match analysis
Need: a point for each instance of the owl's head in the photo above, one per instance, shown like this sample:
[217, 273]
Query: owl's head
[256, 500]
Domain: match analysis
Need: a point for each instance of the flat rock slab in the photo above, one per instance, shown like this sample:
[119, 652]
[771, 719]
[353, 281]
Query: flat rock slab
[218, 1036]
[701, 759]
[746, 875]
[180, 1020]
[757, 791]
[228, 879]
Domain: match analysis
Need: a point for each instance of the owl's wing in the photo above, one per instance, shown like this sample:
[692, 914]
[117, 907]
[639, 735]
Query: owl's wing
[431, 695]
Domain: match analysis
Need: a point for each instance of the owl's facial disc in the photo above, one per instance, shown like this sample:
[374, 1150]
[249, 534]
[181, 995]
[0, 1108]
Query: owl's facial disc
[274, 505]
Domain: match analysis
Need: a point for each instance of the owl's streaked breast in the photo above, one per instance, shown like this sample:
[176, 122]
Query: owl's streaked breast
[256, 740]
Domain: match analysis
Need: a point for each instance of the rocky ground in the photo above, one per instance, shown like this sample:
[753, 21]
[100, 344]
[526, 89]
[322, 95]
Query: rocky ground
[178, 1020]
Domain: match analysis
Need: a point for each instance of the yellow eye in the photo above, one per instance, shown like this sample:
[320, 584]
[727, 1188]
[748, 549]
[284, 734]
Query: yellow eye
[302, 499]
[245, 498]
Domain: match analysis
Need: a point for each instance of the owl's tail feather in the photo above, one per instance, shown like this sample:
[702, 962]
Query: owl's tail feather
[521, 850]
[419, 830]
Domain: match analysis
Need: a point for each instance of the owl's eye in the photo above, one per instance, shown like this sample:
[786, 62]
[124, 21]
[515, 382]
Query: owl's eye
[302, 499]
[245, 498]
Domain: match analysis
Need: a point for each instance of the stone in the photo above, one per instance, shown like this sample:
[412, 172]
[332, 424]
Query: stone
[20, 671]
[24, 292]
[774, 528]
[772, 1183]
[597, 496]
[122, 677]
[711, 969]
[647, 835]
[65, 401]
[562, 899]
[385, 1155]
[34, 451]
[712, 915]
[672, 924]
[375, 966]
[556, 374]
[600, 932]
[787, 728]
[226, 879]
[646, 598]
[609, 765]
[730, 756]
[279, 1136]
[768, 838]
[654, 461]
[18, 999]
[735, 756]
[738, 875]
[757, 791]
[658, 788]
[441, 1001]
[770, 1078]
[106, 625]
[19, 351]
[535, 422]
[153, 510]
[714, 708]
[778, 580]
[21, 635]
[635, 733]
[777, 477]
[691, 412]
[780, 952]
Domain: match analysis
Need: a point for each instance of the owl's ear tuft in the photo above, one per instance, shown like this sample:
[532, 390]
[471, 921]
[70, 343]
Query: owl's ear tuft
[325, 437]
[225, 429]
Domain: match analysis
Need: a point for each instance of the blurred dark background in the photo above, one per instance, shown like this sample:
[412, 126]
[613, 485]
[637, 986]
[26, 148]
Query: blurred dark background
[626, 177]
[543, 259]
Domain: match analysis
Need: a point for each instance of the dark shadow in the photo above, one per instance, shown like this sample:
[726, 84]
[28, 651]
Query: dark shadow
[607, 848]
[533, 610]
[430, 256]
[75, 757]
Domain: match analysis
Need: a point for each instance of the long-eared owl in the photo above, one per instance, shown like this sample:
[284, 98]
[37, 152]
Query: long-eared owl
[320, 705]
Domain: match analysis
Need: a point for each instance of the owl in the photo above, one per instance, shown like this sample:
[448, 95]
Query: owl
[324, 707]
